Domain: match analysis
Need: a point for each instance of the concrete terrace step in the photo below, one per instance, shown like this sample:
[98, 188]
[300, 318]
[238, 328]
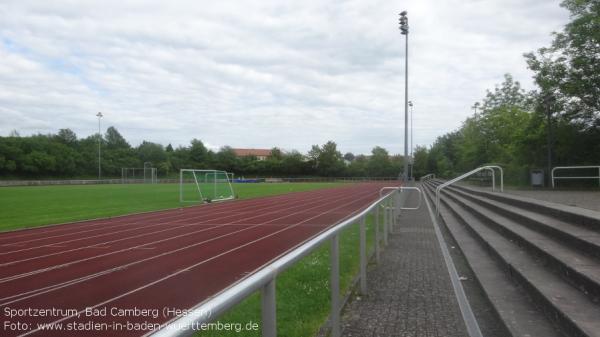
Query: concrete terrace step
[578, 237]
[516, 311]
[574, 215]
[569, 307]
[582, 271]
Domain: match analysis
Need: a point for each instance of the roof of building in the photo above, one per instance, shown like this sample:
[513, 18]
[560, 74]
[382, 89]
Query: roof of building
[252, 152]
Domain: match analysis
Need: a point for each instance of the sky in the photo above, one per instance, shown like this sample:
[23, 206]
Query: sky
[260, 73]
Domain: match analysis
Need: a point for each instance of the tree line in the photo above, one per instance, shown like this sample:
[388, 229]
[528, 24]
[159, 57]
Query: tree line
[558, 123]
[64, 155]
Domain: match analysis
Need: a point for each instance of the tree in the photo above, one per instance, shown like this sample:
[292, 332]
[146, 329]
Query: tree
[114, 140]
[276, 153]
[379, 164]
[151, 152]
[349, 156]
[329, 160]
[293, 163]
[67, 137]
[569, 67]
[226, 159]
[420, 161]
[198, 153]
[313, 156]
[358, 167]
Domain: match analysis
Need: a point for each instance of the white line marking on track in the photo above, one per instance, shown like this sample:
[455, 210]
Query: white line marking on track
[186, 269]
[40, 291]
[145, 234]
[251, 209]
[14, 277]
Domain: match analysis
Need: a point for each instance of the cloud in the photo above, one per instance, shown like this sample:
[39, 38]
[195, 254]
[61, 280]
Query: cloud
[260, 73]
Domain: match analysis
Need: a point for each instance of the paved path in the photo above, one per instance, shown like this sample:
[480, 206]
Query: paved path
[584, 199]
[409, 292]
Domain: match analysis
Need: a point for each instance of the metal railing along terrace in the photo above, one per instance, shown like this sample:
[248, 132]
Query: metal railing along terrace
[491, 168]
[575, 167]
[265, 278]
[427, 176]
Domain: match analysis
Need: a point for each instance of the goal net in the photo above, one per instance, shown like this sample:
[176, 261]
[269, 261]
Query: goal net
[204, 185]
[138, 175]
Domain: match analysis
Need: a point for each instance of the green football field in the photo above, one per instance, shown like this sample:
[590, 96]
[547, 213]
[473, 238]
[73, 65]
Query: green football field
[42, 205]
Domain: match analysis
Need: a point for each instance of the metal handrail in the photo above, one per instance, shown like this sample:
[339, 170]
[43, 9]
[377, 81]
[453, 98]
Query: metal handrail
[575, 167]
[488, 167]
[264, 279]
[401, 189]
[427, 176]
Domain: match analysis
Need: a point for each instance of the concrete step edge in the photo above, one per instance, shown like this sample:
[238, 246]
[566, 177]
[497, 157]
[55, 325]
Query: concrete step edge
[519, 316]
[559, 263]
[522, 276]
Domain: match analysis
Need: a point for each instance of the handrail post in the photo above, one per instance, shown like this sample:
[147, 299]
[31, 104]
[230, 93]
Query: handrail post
[395, 203]
[385, 223]
[269, 309]
[376, 222]
[335, 287]
[363, 256]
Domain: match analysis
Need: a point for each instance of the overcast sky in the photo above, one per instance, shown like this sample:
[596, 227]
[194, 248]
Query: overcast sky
[260, 73]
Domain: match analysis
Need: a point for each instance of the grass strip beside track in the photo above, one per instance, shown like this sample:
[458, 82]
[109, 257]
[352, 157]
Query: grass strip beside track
[303, 295]
[22, 207]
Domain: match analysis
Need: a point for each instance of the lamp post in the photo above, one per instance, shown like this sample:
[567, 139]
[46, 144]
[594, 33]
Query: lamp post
[99, 115]
[475, 107]
[412, 159]
[404, 31]
[548, 102]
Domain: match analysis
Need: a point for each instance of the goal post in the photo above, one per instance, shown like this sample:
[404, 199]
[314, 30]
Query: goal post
[204, 185]
[132, 175]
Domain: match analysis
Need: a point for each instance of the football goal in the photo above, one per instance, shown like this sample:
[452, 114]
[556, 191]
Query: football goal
[137, 175]
[204, 185]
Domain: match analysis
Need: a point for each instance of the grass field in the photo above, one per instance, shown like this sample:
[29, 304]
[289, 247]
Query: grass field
[41, 205]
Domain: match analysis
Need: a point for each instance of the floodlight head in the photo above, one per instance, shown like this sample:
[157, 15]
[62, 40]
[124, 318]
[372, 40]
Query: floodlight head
[403, 23]
[410, 104]
[99, 115]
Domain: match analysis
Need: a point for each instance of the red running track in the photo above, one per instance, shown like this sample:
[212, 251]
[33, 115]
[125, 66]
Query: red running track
[93, 278]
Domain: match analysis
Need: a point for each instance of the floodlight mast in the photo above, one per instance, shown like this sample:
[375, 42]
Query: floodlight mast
[404, 31]
[412, 159]
[99, 115]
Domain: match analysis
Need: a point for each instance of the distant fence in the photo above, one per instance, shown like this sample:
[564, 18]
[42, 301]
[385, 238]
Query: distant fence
[8, 183]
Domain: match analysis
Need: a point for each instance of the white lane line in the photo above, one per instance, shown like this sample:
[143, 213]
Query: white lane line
[64, 265]
[214, 216]
[139, 217]
[126, 224]
[186, 269]
[152, 242]
[40, 291]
